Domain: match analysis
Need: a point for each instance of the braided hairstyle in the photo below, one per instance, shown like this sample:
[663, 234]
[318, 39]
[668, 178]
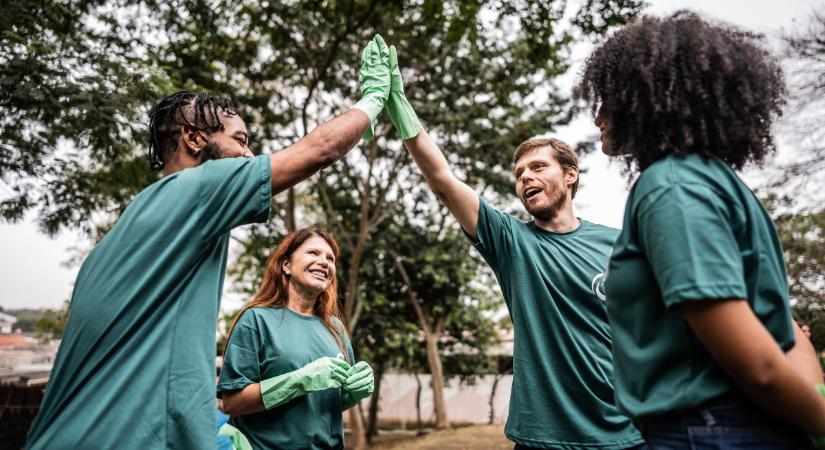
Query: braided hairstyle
[195, 110]
[682, 85]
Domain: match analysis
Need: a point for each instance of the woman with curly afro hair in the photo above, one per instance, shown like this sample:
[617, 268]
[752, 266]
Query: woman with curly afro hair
[706, 354]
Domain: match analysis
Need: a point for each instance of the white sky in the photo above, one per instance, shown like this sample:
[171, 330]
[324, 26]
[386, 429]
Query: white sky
[32, 266]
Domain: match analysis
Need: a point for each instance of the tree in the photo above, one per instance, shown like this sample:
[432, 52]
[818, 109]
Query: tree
[436, 274]
[52, 323]
[806, 59]
[799, 219]
[70, 101]
[803, 241]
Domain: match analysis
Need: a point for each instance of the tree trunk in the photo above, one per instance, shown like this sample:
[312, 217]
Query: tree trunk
[418, 406]
[372, 420]
[290, 210]
[493, 397]
[437, 380]
[357, 440]
[431, 335]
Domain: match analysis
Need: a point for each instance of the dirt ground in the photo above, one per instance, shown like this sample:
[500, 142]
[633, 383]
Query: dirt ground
[476, 437]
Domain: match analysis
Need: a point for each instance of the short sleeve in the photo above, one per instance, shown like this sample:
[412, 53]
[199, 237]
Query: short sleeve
[686, 233]
[493, 230]
[241, 363]
[234, 192]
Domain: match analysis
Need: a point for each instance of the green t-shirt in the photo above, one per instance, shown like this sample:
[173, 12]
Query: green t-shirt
[136, 366]
[562, 393]
[692, 231]
[268, 342]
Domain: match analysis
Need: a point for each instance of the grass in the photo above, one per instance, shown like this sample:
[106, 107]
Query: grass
[475, 437]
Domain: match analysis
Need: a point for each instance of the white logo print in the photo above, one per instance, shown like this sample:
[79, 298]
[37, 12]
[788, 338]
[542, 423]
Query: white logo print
[597, 285]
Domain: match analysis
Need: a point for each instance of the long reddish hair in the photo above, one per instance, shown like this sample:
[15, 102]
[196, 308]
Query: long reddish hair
[275, 286]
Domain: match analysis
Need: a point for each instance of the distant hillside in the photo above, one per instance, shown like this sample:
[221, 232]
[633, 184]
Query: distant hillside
[26, 318]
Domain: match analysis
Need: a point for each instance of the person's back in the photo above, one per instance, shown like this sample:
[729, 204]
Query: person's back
[135, 360]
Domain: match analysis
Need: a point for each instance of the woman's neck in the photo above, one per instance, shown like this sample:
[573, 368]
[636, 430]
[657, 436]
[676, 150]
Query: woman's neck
[301, 301]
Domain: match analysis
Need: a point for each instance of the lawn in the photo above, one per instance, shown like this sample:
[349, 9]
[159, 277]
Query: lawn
[475, 437]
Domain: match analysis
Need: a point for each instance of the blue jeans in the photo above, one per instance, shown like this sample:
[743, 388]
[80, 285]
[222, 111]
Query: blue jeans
[730, 422]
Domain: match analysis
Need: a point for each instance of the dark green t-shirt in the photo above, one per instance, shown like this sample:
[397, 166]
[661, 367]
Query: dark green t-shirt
[268, 342]
[562, 393]
[692, 231]
[136, 366]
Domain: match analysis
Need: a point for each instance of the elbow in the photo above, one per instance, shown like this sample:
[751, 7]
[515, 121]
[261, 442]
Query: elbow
[759, 374]
[229, 406]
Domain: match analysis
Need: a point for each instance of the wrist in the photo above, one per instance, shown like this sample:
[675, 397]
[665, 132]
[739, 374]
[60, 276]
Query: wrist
[371, 104]
[403, 116]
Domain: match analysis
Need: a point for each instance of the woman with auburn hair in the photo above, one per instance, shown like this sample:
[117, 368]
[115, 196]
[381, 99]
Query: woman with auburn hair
[286, 374]
[705, 352]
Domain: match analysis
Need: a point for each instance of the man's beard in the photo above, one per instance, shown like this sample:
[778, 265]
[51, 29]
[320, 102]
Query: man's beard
[212, 151]
[548, 209]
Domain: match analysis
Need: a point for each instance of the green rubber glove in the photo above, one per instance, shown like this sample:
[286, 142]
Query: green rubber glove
[319, 375]
[819, 441]
[399, 109]
[239, 441]
[374, 80]
[359, 384]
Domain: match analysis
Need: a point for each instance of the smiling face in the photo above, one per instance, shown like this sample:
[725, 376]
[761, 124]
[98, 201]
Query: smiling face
[231, 142]
[311, 267]
[542, 183]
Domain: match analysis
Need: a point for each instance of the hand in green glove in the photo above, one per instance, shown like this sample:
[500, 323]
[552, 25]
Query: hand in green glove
[239, 441]
[819, 441]
[374, 80]
[360, 382]
[399, 109]
[321, 374]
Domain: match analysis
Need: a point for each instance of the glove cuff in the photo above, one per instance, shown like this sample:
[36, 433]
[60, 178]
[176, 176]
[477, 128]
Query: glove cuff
[281, 389]
[371, 105]
[403, 116]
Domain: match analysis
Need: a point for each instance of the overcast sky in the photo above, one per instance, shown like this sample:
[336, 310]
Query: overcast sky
[32, 266]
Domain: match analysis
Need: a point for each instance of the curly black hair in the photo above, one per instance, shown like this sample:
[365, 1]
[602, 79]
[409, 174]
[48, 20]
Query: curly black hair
[195, 110]
[683, 85]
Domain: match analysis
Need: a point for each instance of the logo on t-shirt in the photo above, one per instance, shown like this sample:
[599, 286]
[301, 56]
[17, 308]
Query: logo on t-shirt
[598, 286]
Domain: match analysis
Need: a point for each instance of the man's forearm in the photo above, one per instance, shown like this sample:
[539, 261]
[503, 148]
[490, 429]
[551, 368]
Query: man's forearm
[459, 198]
[431, 162]
[324, 145]
[336, 137]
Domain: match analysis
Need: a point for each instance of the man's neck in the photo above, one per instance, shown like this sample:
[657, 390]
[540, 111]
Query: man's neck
[564, 221]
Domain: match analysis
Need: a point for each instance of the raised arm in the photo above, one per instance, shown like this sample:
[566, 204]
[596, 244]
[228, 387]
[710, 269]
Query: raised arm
[324, 145]
[331, 140]
[459, 198]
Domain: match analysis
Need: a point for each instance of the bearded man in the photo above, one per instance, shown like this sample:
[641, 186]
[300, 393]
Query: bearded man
[551, 272]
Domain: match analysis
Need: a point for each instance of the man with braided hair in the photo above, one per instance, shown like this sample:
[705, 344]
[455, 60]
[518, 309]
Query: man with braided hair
[135, 369]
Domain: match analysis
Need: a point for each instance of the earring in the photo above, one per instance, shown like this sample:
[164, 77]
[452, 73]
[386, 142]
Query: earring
[196, 151]
[287, 273]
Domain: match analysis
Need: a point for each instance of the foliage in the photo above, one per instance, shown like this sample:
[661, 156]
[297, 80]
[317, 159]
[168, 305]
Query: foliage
[803, 240]
[52, 323]
[26, 318]
[71, 101]
[805, 48]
